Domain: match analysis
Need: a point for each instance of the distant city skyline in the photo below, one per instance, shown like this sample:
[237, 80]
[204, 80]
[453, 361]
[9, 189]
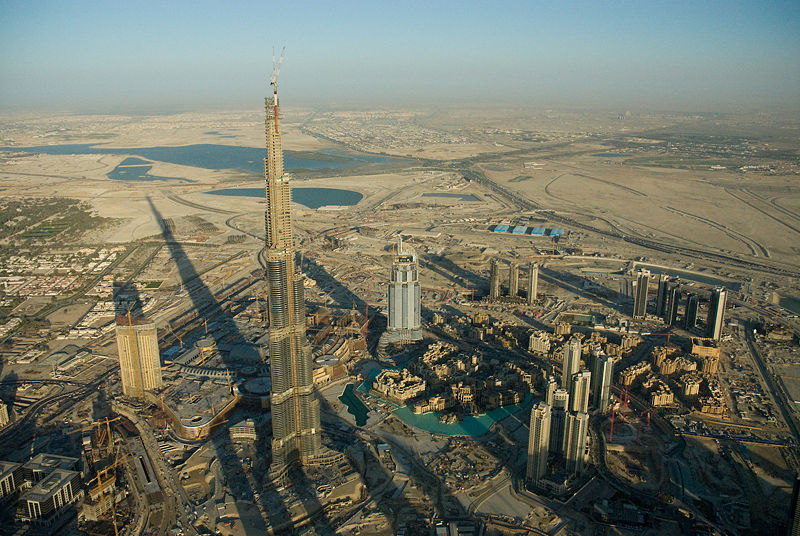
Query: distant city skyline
[150, 57]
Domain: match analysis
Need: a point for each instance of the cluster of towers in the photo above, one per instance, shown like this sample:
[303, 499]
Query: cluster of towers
[495, 286]
[669, 297]
[560, 423]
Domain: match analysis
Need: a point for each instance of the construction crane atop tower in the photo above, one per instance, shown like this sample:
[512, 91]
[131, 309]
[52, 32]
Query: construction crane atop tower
[273, 81]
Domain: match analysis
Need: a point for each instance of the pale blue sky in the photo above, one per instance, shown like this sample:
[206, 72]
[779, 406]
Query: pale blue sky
[113, 56]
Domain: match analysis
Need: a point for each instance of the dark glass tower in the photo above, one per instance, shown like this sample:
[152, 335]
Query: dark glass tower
[295, 409]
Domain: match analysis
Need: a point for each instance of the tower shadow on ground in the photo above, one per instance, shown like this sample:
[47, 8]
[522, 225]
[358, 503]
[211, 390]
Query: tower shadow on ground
[207, 306]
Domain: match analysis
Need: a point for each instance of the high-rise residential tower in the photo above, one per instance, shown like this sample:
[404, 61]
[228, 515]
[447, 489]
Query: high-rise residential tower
[494, 280]
[640, 294]
[579, 391]
[716, 313]
[513, 280]
[575, 431]
[572, 361]
[558, 416]
[690, 316]
[661, 297]
[550, 387]
[538, 442]
[601, 381]
[533, 281]
[673, 299]
[139, 359]
[404, 291]
[295, 409]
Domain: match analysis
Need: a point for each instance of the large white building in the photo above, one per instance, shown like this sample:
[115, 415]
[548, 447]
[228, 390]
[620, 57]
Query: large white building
[538, 442]
[139, 359]
[404, 293]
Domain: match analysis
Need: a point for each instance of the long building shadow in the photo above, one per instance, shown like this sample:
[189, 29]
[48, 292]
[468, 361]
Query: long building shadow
[8, 390]
[557, 278]
[207, 306]
[468, 278]
[345, 298]
[379, 485]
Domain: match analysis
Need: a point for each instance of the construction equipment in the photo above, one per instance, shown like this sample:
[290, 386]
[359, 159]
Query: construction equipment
[276, 70]
[175, 335]
[667, 335]
[613, 415]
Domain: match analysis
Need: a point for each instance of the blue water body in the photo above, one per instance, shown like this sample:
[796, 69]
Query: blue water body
[138, 173]
[473, 425]
[612, 155]
[354, 405]
[367, 158]
[132, 161]
[209, 156]
[309, 197]
[462, 197]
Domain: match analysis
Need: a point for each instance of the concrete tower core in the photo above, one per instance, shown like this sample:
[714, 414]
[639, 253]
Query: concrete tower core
[295, 409]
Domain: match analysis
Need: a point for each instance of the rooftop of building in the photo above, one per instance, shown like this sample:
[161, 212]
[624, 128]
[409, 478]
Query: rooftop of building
[48, 486]
[122, 321]
[48, 462]
[708, 343]
[6, 468]
[196, 401]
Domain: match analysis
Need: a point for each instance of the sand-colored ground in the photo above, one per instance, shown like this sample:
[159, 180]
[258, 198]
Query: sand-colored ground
[717, 209]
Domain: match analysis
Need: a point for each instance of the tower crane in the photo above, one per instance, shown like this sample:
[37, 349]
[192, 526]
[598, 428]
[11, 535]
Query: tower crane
[273, 81]
[175, 335]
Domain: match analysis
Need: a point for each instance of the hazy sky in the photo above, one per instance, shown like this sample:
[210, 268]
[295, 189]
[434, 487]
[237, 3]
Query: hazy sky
[124, 56]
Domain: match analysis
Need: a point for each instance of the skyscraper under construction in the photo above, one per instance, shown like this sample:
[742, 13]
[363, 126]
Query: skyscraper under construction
[295, 409]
